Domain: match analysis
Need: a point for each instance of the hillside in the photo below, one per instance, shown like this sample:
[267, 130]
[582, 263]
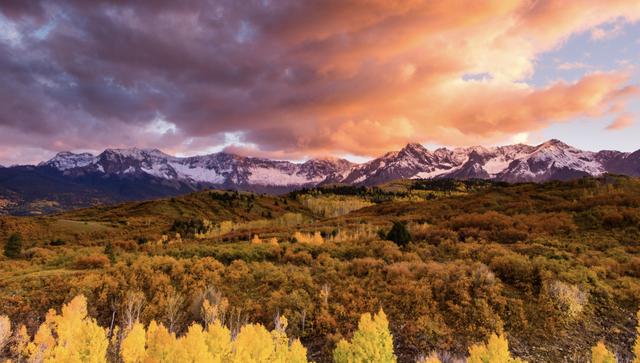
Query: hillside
[555, 266]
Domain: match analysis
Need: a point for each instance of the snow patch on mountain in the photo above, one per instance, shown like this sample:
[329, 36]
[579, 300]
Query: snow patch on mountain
[197, 173]
[550, 160]
[67, 160]
[271, 176]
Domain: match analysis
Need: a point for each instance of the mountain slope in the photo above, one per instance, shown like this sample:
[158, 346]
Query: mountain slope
[72, 180]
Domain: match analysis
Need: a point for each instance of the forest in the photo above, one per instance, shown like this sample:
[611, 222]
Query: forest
[410, 271]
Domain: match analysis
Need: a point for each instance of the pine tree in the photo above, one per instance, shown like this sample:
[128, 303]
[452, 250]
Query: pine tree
[399, 234]
[495, 351]
[600, 354]
[372, 342]
[108, 250]
[13, 247]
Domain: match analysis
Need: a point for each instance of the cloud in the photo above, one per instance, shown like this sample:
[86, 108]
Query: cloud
[293, 78]
[567, 66]
[603, 33]
[622, 122]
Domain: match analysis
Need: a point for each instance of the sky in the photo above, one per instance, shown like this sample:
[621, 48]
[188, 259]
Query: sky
[290, 79]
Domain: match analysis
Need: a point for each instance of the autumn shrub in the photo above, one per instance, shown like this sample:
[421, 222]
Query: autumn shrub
[38, 254]
[568, 298]
[513, 268]
[57, 242]
[435, 235]
[92, 261]
[297, 257]
[510, 235]
[632, 267]
[308, 238]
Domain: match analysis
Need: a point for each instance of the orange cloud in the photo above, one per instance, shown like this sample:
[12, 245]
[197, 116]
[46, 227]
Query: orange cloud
[303, 77]
[622, 122]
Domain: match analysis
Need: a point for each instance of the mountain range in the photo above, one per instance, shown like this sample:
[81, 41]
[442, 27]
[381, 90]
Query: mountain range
[71, 180]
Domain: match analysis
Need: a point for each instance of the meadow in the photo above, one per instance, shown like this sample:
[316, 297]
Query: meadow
[407, 271]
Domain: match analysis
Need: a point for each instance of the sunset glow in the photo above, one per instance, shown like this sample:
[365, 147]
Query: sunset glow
[298, 79]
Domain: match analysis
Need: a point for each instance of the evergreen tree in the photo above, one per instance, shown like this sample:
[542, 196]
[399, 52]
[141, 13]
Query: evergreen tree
[399, 234]
[108, 250]
[13, 247]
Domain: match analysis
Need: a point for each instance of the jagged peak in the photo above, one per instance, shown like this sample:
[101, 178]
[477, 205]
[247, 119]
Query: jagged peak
[67, 160]
[415, 147]
[329, 160]
[63, 154]
[554, 143]
[136, 152]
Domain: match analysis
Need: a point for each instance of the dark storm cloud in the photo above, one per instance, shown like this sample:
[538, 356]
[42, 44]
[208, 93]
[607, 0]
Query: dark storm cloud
[292, 76]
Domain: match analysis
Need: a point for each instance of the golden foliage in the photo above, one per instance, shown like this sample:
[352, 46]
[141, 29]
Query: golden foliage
[252, 344]
[256, 240]
[5, 331]
[372, 342]
[132, 348]
[70, 337]
[600, 354]
[333, 205]
[311, 239]
[496, 350]
[569, 297]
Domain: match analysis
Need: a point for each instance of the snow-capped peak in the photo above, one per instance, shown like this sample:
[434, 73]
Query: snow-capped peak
[550, 160]
[67, 160]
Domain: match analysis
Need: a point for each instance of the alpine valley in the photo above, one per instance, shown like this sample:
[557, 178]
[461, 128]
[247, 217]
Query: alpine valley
[71, 180]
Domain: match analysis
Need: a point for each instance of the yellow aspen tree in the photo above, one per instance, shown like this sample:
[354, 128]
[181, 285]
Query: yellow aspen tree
[161, 344]
[283, 351]
[5, 331]
[280, 341]
[256, 240]
[432, 358]
[208, 312]
[194, 347]
[600, 354]
[70, 337]
[297, 353]
[40, 349]
[495, 351]
[372, 342]
[21, 342]
[317, 239]
[636, 345]
[252, 345]
[132, 348]
[218, 340]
